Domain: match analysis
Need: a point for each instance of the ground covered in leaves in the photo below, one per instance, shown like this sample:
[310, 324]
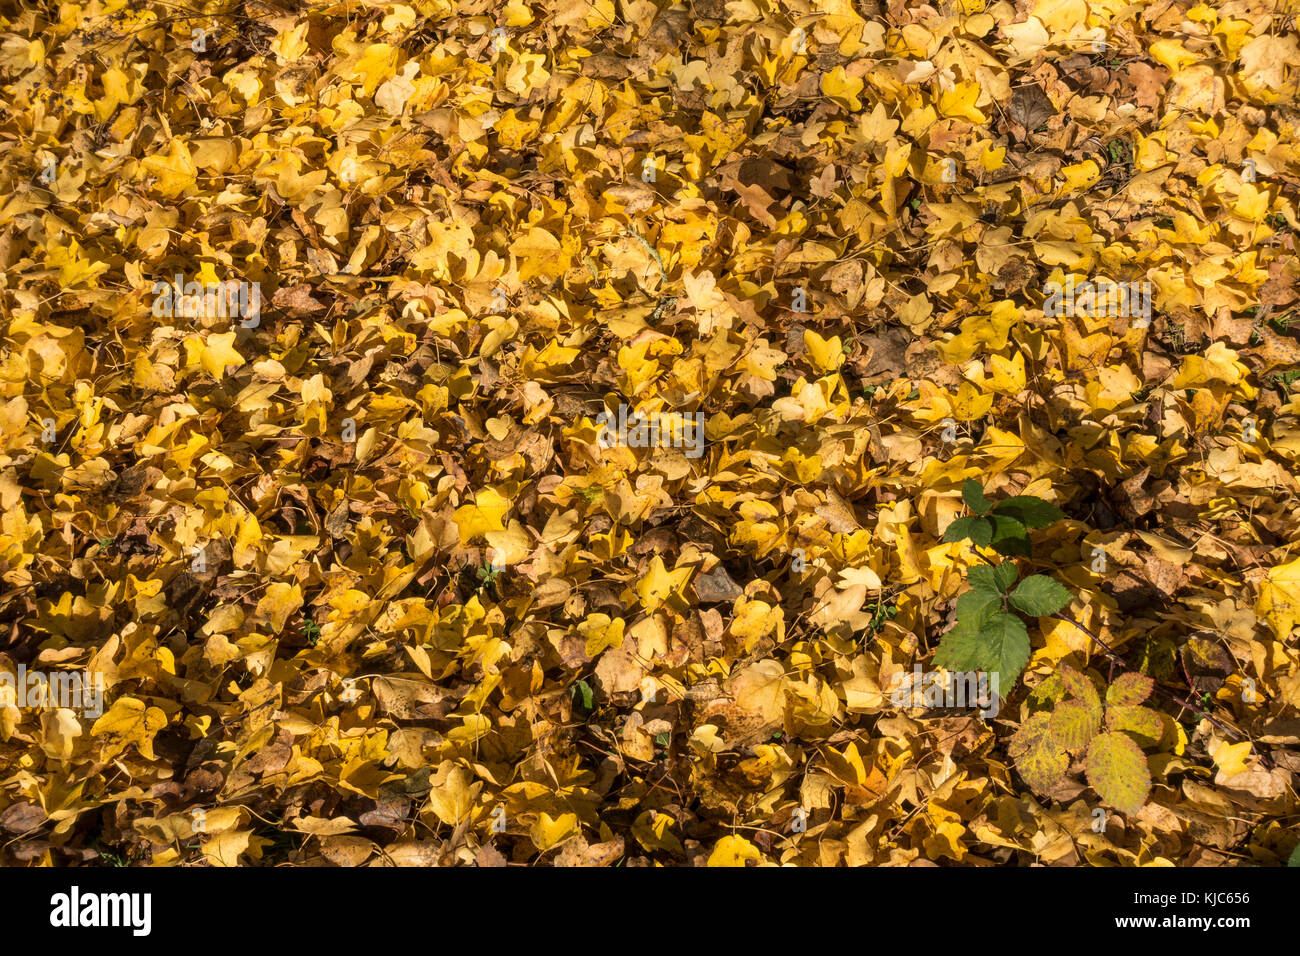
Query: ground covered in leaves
[365, 586]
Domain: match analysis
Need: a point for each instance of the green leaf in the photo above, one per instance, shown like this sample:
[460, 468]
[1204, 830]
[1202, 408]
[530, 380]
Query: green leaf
[976, 603]
[979, 530]
[1117, 770]
[1038, 596]
[981, 576]
[960, 645]
[583, 689]
[994, 578]
[1295, 857]
[973, 495]
[1009, 536]
[996, 642]
[1029, 510]
[1006, 633]
[1039, 759]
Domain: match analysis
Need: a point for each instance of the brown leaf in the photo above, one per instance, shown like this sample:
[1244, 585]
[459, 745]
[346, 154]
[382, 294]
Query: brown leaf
[21, 818]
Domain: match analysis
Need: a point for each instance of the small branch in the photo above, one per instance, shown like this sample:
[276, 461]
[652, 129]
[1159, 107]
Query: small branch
[650, 249]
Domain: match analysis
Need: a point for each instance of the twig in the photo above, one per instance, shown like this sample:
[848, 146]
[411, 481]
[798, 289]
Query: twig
[650, 249]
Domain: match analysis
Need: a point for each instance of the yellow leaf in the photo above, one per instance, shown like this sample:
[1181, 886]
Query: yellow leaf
[1231, 758]
[452, 793]
[1279, 599]
[548, 832]
[1172, 54]
[1218, 364]
[224, 849]
[539, 365]
[658, 584]
[960, 102]
[129, 722]
[1265, 59]
[601, 633]
[992, 159]
[175, 171]
[517, 14]
[760, 690]
[376, 64]
[482, 516]
[540, 254]
[1007, 377]
[734, 851]
[1252, 204]
[825, 356]
[842, 88]
[970, 403]
[59, 730]
[652, 831]
[1080, 175]
[947, 831]
[510, 546]
[980, 332]
[754, 620]
[278, 603]
[214, 354]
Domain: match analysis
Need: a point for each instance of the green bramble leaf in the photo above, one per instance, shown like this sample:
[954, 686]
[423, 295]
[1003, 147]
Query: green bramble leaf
[999, 578]
[977, 603]
[1039, 596]
[995, 642]
[1031, 511]
[1117, 770]
[973, 495]
[979, 530]
[1009, 536]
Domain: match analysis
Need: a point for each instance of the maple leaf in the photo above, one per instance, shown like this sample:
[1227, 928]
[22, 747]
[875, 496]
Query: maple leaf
[214, 354]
